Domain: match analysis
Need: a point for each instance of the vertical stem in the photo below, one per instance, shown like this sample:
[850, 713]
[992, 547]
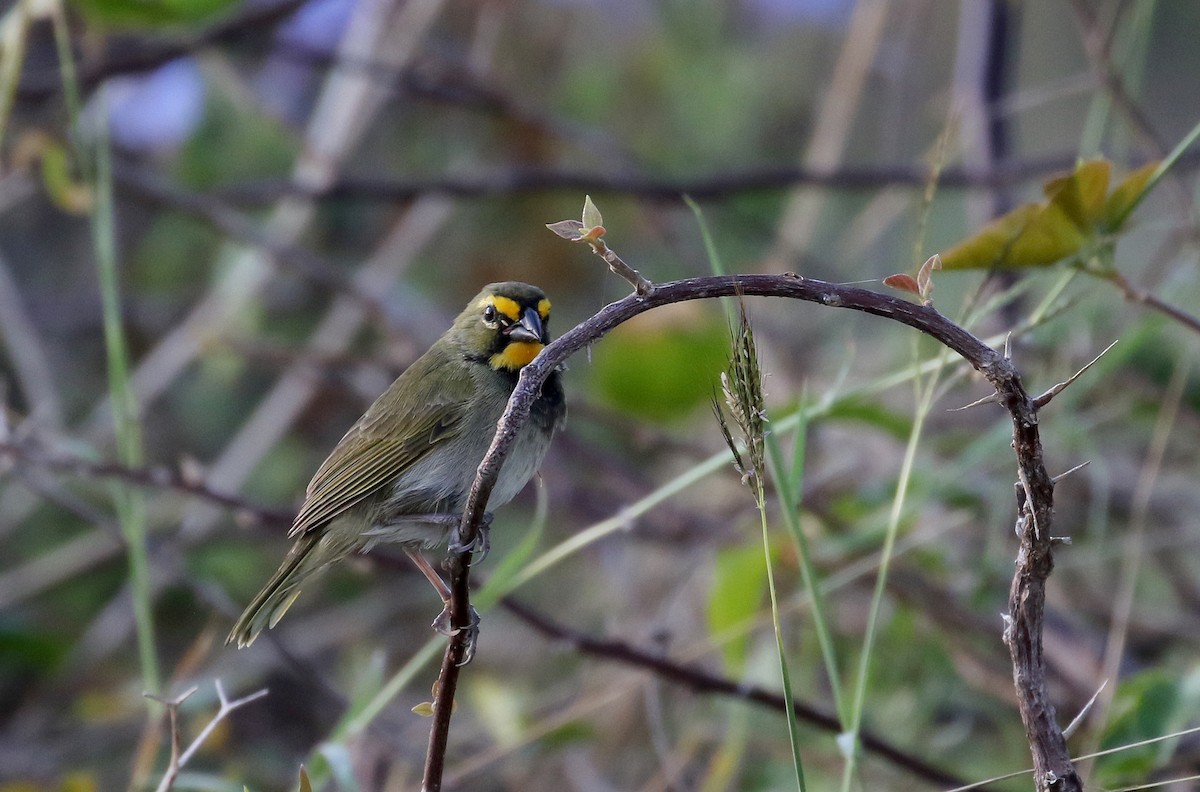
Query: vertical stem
[786, 677]
[130, 503]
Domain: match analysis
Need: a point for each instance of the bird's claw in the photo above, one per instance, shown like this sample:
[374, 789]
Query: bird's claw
[444, 625]
[482, 543]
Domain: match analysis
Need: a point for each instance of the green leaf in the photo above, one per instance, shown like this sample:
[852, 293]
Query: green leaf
[1148, 705]
[739, 582]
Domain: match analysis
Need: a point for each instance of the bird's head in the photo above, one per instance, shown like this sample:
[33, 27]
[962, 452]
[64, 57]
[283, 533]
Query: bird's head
[505, 325]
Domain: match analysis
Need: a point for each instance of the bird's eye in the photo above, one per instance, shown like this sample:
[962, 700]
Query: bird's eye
[489, 315]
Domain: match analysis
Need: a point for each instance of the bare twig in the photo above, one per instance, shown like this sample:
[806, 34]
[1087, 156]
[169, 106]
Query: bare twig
[179, 760]
[1023, 631]
[639, 282]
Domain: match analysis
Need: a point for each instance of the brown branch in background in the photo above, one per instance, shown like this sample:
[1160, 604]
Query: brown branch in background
[1023, 630]
[712, 186]
[1142, 297]
[704, 682]
[161, 478]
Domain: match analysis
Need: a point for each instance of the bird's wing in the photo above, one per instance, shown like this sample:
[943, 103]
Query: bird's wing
[375, 451]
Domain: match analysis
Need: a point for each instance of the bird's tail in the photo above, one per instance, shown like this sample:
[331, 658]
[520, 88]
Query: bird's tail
[269, 605]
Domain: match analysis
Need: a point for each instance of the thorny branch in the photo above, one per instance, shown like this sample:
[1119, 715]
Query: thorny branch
[1053, 769]
[178, 759]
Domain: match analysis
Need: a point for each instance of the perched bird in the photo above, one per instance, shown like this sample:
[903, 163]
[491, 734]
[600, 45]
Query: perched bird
[404, 470]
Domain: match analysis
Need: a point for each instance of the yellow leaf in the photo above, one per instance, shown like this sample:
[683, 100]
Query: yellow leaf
[1049, 236]
[1029, 236]
[1125, 196]
[1080, 194]
[1039, 234]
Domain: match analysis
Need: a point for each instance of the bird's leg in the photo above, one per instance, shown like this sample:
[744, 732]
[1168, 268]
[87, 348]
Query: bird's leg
[482, 541]
[430, 574]
[443, 621]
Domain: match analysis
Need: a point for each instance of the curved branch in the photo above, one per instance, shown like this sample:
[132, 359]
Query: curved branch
[1023, 630]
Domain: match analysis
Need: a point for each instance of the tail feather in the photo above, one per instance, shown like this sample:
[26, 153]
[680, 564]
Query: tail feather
[269, 605]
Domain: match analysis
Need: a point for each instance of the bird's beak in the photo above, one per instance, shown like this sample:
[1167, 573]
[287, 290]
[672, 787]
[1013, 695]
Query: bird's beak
[529, 329]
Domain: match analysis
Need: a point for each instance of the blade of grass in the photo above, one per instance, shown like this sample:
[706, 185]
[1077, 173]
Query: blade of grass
[785, 675]
[850, 738]
[741, 385]
[130, 502]
[789, 503]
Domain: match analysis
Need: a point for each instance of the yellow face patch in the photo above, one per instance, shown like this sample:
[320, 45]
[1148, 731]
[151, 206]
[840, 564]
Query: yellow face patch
[543, 307]
[516, 355]
[505, 305]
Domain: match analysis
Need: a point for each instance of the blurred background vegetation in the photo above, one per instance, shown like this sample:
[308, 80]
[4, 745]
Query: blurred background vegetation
[303, 193]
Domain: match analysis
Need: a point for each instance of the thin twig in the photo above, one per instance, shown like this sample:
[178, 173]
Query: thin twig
[179, 760]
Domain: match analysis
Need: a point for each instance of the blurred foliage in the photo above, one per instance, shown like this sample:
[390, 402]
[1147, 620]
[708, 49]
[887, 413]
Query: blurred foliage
[151, 14]
[661, 369]
[320, 221]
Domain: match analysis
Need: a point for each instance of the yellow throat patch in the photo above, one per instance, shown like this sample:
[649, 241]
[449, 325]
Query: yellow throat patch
[515, 355]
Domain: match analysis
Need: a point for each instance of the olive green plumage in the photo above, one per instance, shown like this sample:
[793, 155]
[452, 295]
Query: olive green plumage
[415, 451]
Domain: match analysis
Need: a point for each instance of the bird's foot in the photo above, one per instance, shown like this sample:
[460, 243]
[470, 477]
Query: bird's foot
[443, 624]
[482, 543]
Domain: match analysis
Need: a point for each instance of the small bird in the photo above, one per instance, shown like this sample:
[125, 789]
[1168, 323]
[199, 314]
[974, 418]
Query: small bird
[403, 472]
